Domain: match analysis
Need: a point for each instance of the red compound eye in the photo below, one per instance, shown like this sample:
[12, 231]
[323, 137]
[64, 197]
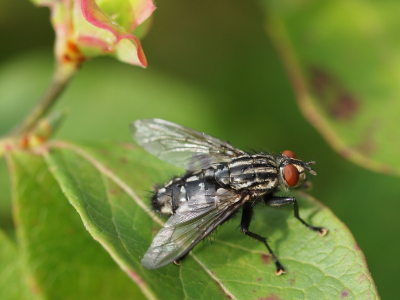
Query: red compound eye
[289, 153]
[291, 175]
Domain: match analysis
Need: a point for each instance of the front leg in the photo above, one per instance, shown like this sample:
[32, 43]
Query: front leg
[280, 201]
[245, 224]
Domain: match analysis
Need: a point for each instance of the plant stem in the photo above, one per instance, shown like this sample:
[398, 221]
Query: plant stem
[61, 77]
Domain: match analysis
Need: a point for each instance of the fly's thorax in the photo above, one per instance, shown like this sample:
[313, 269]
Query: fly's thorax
[255, 173]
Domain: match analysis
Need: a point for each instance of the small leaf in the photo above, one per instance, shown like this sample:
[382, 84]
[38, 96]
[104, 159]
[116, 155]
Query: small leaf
[60, 258]
[97, 33]
[342, 58]
[85, 28]
[107, 186]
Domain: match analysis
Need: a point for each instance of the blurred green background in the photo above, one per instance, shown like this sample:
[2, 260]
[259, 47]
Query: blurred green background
[212, 68]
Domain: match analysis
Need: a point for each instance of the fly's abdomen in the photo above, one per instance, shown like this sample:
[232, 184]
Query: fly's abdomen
[166, 199]
[177, 193]
[256, 173]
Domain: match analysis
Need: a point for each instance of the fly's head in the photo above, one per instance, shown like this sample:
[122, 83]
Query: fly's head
[292, 170]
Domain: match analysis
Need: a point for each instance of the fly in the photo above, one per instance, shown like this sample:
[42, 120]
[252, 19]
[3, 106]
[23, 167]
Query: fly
[219, 180]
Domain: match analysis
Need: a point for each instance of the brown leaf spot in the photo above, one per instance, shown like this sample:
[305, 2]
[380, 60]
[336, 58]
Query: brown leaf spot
[344, 294]
[123, 160]
[344, 107]
[336, 99]
[259, 279]
[272, 297]
[291, 281]
[266, 258]
[116, 191]
[220, 288]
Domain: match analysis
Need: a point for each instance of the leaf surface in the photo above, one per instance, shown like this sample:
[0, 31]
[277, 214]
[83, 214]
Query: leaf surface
[59, 257]
[108, 186]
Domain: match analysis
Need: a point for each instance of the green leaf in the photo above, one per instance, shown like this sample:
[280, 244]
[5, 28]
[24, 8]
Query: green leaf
[108, 186]
[343, 60]
[60, 258]
[12, 279]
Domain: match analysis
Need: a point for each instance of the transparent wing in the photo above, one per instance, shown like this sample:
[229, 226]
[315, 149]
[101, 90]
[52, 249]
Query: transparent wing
[190, 224]
[181, 146]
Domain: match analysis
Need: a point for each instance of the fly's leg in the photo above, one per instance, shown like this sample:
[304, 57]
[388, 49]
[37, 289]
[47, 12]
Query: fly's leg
[178, 261]
[245, 224]
[280, 201]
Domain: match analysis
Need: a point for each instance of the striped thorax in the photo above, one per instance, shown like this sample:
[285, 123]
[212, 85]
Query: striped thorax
[255, 173]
